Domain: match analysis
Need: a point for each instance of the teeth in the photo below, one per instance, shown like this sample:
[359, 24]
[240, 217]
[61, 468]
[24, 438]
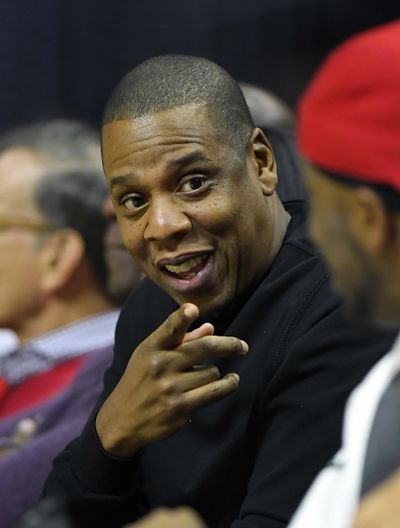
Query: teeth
[184, 266]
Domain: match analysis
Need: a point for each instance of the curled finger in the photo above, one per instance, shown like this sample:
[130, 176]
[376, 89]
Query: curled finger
[210, 346]
[197, 377]
[206, 394]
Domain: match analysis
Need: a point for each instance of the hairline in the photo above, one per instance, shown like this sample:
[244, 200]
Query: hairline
[219, 130]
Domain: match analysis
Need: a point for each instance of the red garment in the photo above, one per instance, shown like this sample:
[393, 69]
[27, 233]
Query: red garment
[38, 388]
[349, 117]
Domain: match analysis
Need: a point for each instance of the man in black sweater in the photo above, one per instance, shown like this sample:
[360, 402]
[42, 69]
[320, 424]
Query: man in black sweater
[259, 334]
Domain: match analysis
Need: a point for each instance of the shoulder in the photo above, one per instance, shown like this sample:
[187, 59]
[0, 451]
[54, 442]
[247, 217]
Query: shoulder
[310, 319]
[299, 281]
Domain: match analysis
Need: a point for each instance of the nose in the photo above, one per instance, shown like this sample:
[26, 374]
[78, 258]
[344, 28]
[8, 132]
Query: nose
[166, 221]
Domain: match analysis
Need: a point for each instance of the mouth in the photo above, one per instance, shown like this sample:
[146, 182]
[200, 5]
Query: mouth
[188, 271]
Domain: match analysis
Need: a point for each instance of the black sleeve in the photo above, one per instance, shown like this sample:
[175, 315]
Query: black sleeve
[84, 471]
[302, 412]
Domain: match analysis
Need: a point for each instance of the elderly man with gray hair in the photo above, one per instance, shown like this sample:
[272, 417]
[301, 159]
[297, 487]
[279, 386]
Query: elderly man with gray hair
[58, 293]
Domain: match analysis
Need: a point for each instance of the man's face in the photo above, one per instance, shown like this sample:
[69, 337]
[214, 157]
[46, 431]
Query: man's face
[191, 210]
[20, 291]
[352, 270]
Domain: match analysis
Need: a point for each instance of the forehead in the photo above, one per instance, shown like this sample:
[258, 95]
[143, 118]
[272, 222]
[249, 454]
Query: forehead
[20, 170]
[168, 135]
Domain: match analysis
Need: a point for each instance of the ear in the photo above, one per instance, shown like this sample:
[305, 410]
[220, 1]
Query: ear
[263, 157]
[369, 221]
[60, 257]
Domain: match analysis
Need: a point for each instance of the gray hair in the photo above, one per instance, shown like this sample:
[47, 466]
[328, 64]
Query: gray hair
[60, 140]
[74, 199]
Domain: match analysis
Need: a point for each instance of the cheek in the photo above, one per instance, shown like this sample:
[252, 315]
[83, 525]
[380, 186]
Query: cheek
[221, 212]
[324, 226]
[132, 235]
[316, 228]
[20, 286]
[17, 256]
[136, 246]
[337, 251]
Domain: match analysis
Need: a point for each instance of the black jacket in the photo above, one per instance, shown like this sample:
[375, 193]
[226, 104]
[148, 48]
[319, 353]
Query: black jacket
[247, 460]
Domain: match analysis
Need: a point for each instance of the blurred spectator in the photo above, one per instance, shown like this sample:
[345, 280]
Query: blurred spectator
[266, 108]
[56, 261]
[349, 133]
[8, 341]
[277, 121]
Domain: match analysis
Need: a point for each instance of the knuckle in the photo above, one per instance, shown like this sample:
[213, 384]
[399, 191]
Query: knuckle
[209, 343]
[157, 365]
[172, 406]
[223, 386]
[166, 386]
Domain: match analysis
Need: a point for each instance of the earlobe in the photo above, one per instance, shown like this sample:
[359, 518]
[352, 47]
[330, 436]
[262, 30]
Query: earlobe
[265, 161]
[61, 255]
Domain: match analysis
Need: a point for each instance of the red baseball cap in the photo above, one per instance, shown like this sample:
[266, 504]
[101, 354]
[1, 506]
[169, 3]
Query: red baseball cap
[349, 116]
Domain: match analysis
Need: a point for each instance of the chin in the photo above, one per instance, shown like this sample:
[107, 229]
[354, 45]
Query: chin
[209, 307]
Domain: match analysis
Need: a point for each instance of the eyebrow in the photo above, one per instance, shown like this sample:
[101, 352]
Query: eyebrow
[116, 180]
[187, 159]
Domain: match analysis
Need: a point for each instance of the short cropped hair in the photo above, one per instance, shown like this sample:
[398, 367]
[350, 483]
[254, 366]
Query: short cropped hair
[168, 81]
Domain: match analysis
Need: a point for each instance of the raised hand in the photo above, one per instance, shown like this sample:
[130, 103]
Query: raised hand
[164, 383]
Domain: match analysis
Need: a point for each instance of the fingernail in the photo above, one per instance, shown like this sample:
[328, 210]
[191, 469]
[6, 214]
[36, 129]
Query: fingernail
[245, 347]
[235, 377]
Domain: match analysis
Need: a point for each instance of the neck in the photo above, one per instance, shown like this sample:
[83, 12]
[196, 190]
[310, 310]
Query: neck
[280, 223]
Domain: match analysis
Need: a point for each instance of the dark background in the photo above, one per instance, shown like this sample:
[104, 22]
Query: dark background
[64, 56]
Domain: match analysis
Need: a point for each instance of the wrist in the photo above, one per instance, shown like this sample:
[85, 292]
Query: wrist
[113, 440]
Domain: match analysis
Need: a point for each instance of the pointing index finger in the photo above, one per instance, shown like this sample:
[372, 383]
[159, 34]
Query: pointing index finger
[172, 332]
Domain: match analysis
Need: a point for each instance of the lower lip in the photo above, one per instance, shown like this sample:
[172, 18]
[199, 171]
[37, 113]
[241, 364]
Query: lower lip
[198, 281]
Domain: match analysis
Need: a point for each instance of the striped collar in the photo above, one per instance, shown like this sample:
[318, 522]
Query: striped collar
[43, 352]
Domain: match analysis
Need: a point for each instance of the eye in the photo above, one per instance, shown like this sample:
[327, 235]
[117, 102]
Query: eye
[193, 184]
[133, 202]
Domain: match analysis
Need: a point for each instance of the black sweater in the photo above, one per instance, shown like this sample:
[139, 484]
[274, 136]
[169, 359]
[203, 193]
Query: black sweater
[247, 460]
